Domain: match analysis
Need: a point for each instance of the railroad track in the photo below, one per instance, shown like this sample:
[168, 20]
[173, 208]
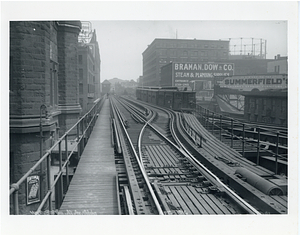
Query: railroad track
[174, 181]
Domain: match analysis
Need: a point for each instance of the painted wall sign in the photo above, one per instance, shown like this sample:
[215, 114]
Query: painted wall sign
[185, 74]
[203, 70]
[33, 189]
[260, 82]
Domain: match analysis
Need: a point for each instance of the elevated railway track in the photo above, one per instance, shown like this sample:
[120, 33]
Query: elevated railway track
[159, 162]
[188, 171]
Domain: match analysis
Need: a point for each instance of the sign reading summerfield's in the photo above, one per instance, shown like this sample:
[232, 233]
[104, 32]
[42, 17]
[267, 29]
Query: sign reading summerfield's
[259, 82]
[33, 189]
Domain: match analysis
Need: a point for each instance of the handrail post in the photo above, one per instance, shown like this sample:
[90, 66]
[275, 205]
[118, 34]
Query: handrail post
[220, 127]
[276, 159]
[16, 198]
[67, 167]
[258, 145]
[82, 130]
[78, 141]
[205, 118]
[231, 133]
[213, 122]
[49, 181]
[243, 141]
[16, 202]
[61, 176]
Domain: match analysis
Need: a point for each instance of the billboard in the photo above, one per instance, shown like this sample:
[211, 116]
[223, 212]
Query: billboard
[186, 74]
[258, 82]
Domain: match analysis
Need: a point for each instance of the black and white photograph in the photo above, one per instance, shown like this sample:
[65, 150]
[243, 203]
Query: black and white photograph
[184, 110]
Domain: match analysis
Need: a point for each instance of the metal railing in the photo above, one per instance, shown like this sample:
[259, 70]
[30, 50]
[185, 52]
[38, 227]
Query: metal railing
[83, 127]
[217, 123]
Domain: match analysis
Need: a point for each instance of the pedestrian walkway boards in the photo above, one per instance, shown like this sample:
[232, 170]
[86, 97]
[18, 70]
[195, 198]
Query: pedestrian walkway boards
[93, 188]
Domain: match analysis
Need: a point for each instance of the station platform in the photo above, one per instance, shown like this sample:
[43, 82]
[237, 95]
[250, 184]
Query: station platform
[93, 189]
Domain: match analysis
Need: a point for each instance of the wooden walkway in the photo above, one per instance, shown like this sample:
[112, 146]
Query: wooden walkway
[93, 189]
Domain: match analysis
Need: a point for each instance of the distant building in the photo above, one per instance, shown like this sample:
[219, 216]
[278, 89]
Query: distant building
[265, 96]
[279, 65]
[268, 107]
[89, 72]
[163, 51]
[106, 87]
[140, 81]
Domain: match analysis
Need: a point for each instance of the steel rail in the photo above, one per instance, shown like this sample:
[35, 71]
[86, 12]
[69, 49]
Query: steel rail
[181, 148]
[128, 201]
[142, 169]
[230, 192]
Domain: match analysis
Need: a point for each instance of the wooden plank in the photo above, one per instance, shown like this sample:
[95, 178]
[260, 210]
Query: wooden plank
[93, 186]
[187, 200]
[192, 194]
[203, 202]
[212, 204]
[161, 152]
[169, 155]
[179, 200]
[281, 200]
[157, 155]
[157, 161]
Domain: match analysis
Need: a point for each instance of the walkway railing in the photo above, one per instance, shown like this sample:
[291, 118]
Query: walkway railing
[224, 125]
[83, 128]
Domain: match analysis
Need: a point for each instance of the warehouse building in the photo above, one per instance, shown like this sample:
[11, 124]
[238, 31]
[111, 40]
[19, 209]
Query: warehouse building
[163, 51]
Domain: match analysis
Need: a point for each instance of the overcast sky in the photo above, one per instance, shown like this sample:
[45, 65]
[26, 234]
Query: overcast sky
[123, 42]
[124, 29]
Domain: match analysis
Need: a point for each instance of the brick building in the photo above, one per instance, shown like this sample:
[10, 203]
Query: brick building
[44, 94]
[89, 72]
[268, 107]
[163, 51]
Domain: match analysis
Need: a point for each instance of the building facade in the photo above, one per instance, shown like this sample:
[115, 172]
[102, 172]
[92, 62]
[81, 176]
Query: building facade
[279, 65]
[163, 51]
[268, 107]
[106, 87]
[44, 95]
[89, 73]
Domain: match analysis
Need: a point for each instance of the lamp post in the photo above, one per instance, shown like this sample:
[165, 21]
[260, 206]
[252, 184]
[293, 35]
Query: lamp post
[43, 108]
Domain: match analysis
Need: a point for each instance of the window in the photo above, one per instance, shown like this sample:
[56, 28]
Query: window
[80, 74]
[273, 105]
[283, 106]
[194, 53]
[80, 59]
[11, 61]
[172, 52]
[11, 167]
[256, 104]
[53, 84]
[80, 88]
[264, 107]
